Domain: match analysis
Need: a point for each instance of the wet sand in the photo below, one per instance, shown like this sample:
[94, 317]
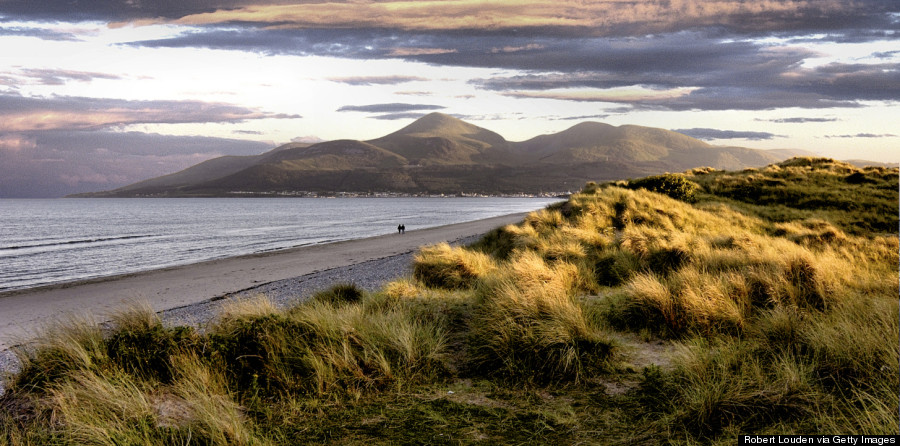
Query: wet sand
[22, 313]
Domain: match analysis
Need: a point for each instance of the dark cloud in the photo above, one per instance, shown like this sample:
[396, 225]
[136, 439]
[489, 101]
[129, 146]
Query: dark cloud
[864, 135]
[61, 77]
[59, 145]
[40, 33]
[56, 163]
[114, 10]
[583, 117]
[347, 43]
[376, 80]
[850, 81]
[727, 72]
[886, 54]
[714, 50]
[559, 18]
[709, 134]
[389, 108]
[798, 120]
[397, 116]
[21, 113]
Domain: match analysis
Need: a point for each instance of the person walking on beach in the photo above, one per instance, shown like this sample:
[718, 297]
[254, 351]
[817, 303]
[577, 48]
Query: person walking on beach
[399, 229]
[403, 229]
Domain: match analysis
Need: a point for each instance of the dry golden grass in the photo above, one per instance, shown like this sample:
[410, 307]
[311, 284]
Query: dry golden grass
[253, 307]
[785, 319]
[530, 325]
[446, 267]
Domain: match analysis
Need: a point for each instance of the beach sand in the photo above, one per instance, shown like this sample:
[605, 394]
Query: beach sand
[23, 313]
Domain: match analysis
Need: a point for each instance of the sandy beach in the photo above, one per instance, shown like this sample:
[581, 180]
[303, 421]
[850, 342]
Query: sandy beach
[22, 313]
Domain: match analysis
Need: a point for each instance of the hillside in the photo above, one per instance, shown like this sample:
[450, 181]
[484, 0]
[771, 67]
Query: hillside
[442, 154]
[622, 316]
[206, 171]
[594, 141]
[437, 138]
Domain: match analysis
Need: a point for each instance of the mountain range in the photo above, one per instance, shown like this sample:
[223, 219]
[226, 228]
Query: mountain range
[442, 154]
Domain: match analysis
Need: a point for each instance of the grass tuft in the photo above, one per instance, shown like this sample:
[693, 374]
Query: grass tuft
[442, 266]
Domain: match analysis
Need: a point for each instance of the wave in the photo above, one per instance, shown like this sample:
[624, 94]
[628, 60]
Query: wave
[74, 242]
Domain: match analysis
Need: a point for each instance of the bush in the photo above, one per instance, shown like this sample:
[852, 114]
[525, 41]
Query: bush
[674, 185]
[339, 294]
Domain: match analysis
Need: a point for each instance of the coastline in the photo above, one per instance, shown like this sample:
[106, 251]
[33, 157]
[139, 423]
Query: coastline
[24, 312]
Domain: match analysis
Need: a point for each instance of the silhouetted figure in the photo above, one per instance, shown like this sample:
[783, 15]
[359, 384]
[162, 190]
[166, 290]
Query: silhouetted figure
[403, 229]
[399, 229]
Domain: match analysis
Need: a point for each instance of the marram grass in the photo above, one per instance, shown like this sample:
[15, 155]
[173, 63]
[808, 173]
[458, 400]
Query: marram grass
[765, 302]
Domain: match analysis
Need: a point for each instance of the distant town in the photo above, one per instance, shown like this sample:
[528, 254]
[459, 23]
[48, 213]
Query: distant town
[309, 194]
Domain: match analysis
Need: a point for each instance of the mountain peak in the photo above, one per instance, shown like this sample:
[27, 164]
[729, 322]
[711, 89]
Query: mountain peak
[437, 138]
[438, 124]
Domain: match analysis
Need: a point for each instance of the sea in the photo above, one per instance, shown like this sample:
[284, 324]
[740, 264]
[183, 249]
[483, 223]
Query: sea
[53, 241]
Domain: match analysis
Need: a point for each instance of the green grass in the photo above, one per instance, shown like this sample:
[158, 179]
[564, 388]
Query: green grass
[618, 317]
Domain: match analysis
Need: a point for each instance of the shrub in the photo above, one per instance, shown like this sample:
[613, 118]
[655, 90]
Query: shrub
[616, 267]
[339, 294]
[261, 353]
[498, 243]
[674, 185]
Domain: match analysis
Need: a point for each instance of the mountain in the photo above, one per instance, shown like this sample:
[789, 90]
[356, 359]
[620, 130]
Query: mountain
[206, 171]
[598, 142]
[594, 141]
[442, 154]
[439, 139]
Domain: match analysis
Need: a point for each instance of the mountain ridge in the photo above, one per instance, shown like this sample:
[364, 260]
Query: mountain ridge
[439, 153]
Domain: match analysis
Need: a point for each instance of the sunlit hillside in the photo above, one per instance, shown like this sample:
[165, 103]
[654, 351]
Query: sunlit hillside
[676, 309]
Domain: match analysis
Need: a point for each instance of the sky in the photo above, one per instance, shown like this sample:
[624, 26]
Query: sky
[97, 94]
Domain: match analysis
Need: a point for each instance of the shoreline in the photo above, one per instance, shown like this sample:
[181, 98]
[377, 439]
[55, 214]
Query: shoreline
[24, 312]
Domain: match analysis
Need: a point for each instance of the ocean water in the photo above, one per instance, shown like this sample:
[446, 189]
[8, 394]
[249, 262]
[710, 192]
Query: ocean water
[46, 242]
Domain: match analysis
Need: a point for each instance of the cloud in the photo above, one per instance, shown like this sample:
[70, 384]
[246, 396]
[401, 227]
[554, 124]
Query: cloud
[724, 68]
[864, 135]
[798, 120]
[414, 93]
[561, 17]
[111, 10]
[710, 134]
[40, 33]
[397, 116]
[886, 54]
[21, 114]
[15, 143]
[597, 18]
[626, 95]
[740, 75]
[51, 146]
[376, 80]
[61, 77]
[389, 108]
[582, 117]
